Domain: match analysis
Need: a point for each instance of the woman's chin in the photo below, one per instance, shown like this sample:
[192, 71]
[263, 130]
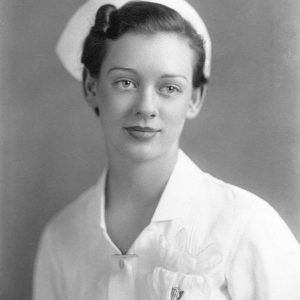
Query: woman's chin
[141, 154]
[138, 151]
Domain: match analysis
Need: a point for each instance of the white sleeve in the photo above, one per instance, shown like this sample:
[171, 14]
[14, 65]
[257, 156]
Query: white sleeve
[265, 264]
[47, 279]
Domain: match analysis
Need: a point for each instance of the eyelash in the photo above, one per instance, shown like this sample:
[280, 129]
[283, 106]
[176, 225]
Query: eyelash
[120, 84]
[163, 90]
[175, 90]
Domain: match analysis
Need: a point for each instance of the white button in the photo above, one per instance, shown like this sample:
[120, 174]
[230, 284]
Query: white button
[121, 264]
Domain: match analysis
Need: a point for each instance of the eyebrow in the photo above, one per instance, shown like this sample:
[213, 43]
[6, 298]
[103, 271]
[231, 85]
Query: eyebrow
[173, 76]
[122, 69]
[135, 72]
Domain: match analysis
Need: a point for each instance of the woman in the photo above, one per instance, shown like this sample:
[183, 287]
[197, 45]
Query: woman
[155, 226]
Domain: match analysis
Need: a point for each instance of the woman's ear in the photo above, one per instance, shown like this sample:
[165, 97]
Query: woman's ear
[196, 101]
[90, 89]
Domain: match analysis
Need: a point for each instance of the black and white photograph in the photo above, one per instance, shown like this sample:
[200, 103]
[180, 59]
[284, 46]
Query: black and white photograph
[149, 150]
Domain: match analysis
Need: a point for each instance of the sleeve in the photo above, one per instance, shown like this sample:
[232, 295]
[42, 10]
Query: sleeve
[265, 264]
[47, 279]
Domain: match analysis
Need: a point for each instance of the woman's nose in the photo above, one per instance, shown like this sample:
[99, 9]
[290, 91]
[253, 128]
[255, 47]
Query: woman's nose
[146, 104]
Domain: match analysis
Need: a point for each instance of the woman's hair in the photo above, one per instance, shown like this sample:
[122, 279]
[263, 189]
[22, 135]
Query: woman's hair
[138, 17]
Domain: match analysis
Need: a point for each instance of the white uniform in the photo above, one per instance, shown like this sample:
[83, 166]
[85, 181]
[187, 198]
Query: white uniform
[206, 240]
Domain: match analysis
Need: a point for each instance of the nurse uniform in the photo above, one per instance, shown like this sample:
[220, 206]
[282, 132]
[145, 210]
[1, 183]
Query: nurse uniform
[207, 240]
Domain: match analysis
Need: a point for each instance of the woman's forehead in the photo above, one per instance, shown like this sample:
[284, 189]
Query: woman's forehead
[158, 52]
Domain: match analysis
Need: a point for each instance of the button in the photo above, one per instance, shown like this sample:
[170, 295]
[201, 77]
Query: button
[121, 264]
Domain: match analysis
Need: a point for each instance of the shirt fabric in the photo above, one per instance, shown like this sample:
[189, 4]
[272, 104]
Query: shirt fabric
[206, 240]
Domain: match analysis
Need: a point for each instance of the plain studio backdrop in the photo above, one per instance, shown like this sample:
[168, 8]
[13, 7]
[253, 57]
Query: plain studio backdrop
[52, 147]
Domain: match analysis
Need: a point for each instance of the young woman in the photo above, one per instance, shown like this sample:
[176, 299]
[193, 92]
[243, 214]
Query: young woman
[155, 226]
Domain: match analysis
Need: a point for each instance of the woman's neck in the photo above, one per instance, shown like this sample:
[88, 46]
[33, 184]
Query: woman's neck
[141, 183]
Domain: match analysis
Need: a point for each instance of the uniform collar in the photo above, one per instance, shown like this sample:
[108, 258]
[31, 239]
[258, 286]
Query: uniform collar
[100, 192]
[184, 186]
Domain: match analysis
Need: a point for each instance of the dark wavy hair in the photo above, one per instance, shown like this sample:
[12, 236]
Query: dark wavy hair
[140, 17]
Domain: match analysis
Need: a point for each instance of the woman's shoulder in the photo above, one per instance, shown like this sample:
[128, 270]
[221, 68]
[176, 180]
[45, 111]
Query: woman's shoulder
[75, 217]
[208, 195]
[235, 217]
[253, 217]
[230, 194]
[236, 202]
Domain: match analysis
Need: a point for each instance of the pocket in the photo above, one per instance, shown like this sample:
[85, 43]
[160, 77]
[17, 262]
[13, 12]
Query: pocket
[165, 283]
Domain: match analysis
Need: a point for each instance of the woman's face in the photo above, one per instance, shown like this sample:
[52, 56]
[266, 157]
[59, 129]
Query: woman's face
[145, 94]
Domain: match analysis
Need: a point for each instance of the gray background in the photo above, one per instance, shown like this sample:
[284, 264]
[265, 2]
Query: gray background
[52, 147]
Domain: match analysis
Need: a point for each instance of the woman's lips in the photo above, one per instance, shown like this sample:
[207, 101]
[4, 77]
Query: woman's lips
[139, 132]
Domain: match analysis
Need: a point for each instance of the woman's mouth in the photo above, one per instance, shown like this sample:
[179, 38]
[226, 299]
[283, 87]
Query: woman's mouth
[142, 133]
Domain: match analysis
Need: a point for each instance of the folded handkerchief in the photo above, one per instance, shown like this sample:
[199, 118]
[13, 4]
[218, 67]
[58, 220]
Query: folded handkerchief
[176, 256]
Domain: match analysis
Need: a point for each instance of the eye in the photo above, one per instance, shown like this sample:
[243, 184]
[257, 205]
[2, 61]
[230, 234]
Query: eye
[170, 90]
[125, 84]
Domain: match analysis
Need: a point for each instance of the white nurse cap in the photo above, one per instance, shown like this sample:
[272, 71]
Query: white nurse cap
[70, 43]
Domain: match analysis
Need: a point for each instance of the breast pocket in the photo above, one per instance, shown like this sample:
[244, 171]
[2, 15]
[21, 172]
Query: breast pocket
[169, 285]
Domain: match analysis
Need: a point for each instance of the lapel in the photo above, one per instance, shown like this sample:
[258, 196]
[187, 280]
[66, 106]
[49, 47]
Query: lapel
[100, 195]
[185, 186]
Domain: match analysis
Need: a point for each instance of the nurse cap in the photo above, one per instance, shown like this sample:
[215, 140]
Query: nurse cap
[70, 43]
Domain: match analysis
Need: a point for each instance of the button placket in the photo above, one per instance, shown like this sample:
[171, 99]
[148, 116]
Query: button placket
[121, 263]
[122, 278]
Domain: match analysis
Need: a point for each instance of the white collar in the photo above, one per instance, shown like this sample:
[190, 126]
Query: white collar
[184, 186]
